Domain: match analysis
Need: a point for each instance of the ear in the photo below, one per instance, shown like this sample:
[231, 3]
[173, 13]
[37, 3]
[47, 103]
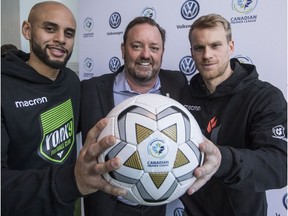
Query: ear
[231, 47]
[26, 30]
[123, 50]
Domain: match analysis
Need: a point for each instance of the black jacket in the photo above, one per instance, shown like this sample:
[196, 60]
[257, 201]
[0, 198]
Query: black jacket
[247, 119]
[96, 102]
[39, 119]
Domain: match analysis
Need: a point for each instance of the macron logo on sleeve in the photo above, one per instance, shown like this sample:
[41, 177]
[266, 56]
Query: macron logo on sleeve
[32, 102]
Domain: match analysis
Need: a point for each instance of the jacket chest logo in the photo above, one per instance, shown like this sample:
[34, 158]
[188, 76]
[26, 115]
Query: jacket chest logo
[58, 133]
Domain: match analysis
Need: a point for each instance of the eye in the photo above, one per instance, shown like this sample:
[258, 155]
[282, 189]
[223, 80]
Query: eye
[215, 46]
[49, 29]
[70, 34]
[155, 49]
[198, 48]
[136, 46]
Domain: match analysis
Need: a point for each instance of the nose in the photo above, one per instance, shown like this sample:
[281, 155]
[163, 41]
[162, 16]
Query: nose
[60, 37]
[145, 53]
[207, 53]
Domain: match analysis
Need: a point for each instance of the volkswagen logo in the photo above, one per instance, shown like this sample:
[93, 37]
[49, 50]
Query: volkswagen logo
[114, 64]
[115, 20]
[179, 212]
[187, 65]
[190, 9]
[285, 200]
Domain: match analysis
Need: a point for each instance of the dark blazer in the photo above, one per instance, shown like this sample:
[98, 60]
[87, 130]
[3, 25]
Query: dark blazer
[96, 102]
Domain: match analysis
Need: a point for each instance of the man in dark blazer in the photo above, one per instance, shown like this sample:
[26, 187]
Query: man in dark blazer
[142, 51]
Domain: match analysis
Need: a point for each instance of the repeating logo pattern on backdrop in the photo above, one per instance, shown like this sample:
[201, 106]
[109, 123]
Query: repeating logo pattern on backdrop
[115, 20]
[244, 59]
[114, 64]
[285, 200]
[149, 12]
[187, 65]
[178, 212]
[243, 7]
[88, 65]
[58, 132]
[114, 23]
[88, 26]
[190, 9]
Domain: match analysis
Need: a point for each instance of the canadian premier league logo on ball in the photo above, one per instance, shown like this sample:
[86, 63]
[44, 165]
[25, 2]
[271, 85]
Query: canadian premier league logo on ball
[157, 141]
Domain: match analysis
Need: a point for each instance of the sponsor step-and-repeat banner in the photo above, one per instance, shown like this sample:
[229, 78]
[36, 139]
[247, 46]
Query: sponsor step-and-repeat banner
[259, 30]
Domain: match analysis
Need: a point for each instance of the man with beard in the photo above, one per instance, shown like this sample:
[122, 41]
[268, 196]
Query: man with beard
[142, 51]
[39, 118]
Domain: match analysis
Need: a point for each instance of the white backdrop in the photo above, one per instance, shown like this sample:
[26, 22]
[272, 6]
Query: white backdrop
[259, 29]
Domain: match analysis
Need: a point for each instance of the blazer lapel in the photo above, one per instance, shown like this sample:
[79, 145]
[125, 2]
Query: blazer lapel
[105, 91]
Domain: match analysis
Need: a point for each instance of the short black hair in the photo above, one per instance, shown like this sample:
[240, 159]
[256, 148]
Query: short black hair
[144, 20]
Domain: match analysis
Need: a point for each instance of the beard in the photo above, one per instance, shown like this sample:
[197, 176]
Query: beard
[43, 56]
[141, 76]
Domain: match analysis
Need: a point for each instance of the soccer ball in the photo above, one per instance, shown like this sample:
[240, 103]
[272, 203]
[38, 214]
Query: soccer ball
[157, 141]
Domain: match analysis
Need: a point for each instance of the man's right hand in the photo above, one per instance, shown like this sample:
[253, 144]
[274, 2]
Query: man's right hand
[88, 171]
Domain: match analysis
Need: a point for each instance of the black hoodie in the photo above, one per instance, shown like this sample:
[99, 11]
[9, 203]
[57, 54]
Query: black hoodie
[39, 119]
[247, 119]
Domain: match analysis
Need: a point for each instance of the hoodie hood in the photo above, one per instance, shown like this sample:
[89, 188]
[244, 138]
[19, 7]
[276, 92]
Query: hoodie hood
[14, 65]
[242, 76]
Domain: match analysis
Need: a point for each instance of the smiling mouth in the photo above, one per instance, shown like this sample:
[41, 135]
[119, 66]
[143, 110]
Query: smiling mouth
[144, 63]
[56, 51]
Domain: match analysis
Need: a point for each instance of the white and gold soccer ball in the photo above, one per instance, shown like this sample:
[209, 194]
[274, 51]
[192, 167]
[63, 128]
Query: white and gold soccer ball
[157, 140]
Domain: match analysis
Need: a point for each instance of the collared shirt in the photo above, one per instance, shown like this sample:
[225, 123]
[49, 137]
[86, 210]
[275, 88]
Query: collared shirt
[122, 90]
